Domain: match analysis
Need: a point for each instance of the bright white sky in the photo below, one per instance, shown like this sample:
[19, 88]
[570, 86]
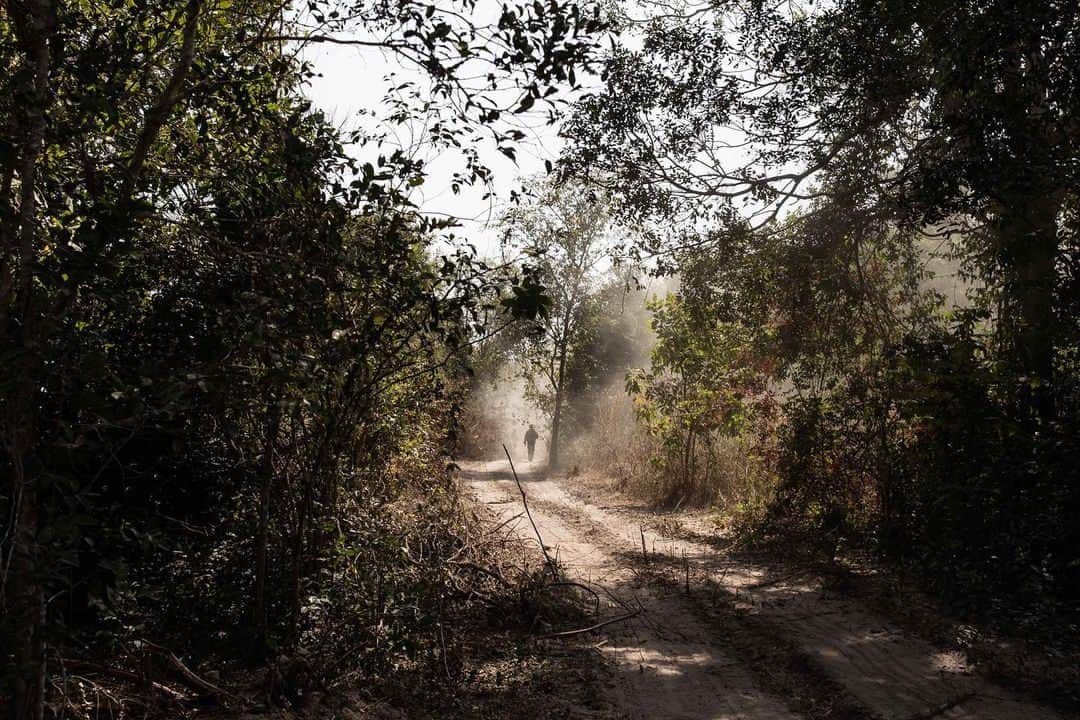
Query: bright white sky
[353, 82]
[354, 79]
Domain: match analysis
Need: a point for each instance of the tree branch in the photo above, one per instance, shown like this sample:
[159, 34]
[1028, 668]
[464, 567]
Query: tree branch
[155, 118]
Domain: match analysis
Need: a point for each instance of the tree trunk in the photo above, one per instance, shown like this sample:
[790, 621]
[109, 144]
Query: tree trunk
[556, 420]
[1029, 244]
[708, 466]
[262, 539]
[556, 417]
[27, 605]
[299, 544]
[688, 460]
[160, 111]
[26, 595]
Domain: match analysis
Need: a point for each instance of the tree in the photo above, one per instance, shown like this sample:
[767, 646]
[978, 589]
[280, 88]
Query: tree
[702, 383]
[194, 275]
[562, 231]
[808, 155]
[947, 118]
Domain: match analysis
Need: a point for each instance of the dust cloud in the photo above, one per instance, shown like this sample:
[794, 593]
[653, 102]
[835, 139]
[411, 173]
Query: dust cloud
[600, 428]
[499, 413]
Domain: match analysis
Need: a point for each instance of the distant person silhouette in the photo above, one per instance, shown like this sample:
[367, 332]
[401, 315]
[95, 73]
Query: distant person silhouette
[530, 440]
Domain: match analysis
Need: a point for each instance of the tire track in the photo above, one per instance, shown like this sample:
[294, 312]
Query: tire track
[665, 663]
[891, 675]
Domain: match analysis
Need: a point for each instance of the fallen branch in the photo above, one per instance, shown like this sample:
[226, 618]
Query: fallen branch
[776, 580]
[586, 588]
[591, 628]
[944, 707]
[114, 703]
[119, 674]
[186, 675]
[525, 501]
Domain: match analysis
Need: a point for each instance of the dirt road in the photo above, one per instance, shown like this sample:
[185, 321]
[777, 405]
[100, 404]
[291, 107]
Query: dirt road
[720, 638]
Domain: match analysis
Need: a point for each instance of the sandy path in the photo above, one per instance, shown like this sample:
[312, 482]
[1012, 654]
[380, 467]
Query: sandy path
[665, 665]
[669, 664]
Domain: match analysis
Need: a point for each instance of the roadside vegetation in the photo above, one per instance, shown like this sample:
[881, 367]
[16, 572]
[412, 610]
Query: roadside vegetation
[814, 267]
[230, 350]
[869, 210]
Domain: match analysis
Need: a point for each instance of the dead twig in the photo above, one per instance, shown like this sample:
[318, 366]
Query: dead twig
[615, 599]
[525, 501]
[114, 703]
[445, 660]
[586, 588]
[776, 580]
[119, 674]
[495, 575]
[186, 675]
[591, 628]
[944, 707]
[504, 523]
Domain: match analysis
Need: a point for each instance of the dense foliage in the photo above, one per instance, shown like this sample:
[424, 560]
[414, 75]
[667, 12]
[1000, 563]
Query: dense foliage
[801, 167]
[227, 346]
[704, 386]
[233, 352]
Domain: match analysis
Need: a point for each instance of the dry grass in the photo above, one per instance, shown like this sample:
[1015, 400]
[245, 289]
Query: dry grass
[729, 474]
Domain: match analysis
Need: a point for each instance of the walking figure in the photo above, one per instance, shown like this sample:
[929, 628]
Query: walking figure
[530, 440]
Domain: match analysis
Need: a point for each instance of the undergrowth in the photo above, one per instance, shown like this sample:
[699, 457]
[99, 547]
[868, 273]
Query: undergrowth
[425, 608]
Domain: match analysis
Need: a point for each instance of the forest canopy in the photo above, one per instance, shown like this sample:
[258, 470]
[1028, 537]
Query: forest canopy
[812, 266]
[802, 165]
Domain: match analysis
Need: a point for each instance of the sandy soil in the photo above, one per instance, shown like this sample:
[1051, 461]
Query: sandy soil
[794, 643]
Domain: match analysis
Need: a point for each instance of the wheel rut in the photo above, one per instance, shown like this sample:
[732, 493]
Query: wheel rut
[746, 642]
[663, 661]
